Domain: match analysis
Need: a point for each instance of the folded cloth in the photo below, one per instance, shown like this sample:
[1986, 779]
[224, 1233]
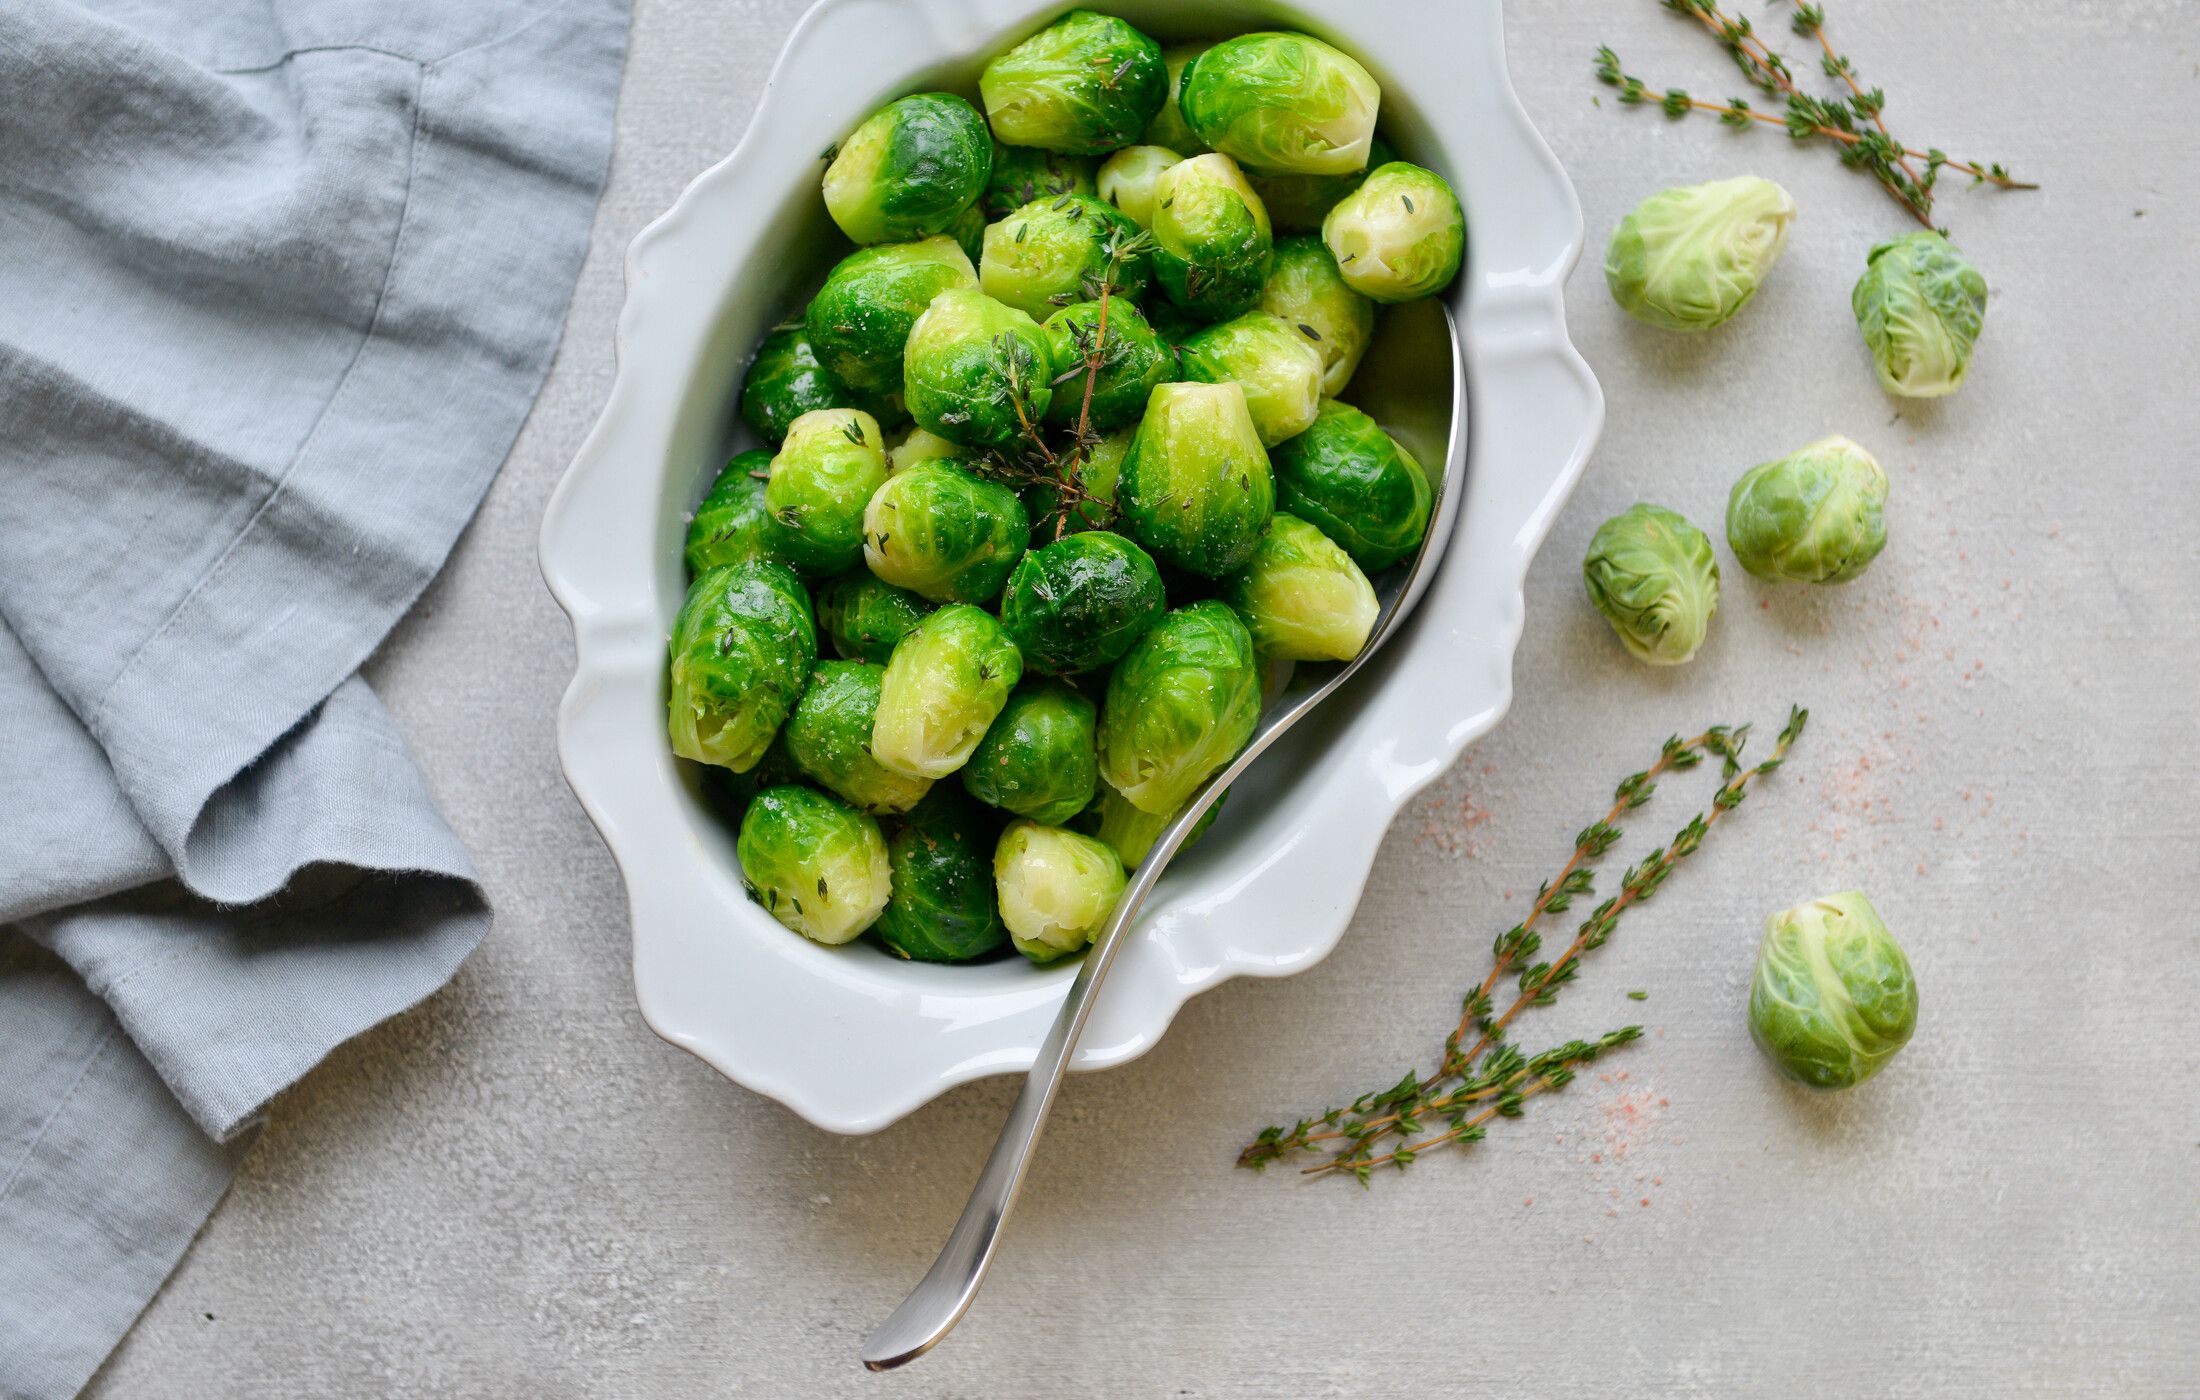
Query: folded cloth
[279, 280]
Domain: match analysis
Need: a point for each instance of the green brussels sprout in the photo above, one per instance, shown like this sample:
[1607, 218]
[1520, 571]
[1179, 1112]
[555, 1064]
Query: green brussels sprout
[1127, 178]
[975, 371]
[1833, 999]
[1022, 174]
[786, 381]
[1167, 127]
[1079, 603]
[1276, 365]
[1299, 203]
[1355, 484]
[733, 523]
[828, 739]
[860, 319]
[1056, 888]
[1037, 760]
[742, 649]
[909, 170]
[1304, 290]
[815, 863]
[1815, 516]
[1302, 597]
[943, 907]
[1921, 308]
[1055, 251]
[821, 479]
[1130, 832]
[917, 445]
[1211, 235]
[1399, 236]
[1282, 102]
[865, 615]
[1179, 705]
[946, 681]
[1085, 84]
[1132, 361]
[1195, 488]
[1651, 574]
[1092, 505]
[1689, 258]
[938, 531]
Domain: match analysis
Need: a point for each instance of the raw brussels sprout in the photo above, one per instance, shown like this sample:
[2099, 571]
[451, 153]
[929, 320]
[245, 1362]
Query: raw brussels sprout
[1651, 574]
[975, 371]
[1092, 505]
[1305, 291]
[1833, 998]
[1127, 178]
[1056, 888]
[785, 381]
[1055, 251]
[1022, 174]
[909, 170]
[821, 479]
[917, 445]
[1085, 84]
[941, 532]
[1302, 597]
[946, 681]
[1180, 705]
[733, 523]
[828, 739]
[1277, 366]
[1130, 832]
[865, 615]
[742, 649]
[1689, 258]
[1037, 760]
[1921, 308]
[860, 319]
[1299, 203]
[815, 863]
[1167, 127]
[1355, 484]
[1282, 102]
[1079, 603]
[943, 907]
[1211, 237]
[1399, 236]
[1196, 488]
[1814, 516]
[1132, 361]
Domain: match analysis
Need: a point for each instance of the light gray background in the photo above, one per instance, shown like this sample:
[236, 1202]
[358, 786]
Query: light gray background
[518, 1191]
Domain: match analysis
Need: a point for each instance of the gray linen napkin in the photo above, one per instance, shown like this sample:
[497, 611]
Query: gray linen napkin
[279, 280]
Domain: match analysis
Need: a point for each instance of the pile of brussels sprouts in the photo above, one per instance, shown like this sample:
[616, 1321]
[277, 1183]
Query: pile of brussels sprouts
[955, 684]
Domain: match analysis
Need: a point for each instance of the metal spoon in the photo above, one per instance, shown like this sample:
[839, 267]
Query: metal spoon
[1416, 375]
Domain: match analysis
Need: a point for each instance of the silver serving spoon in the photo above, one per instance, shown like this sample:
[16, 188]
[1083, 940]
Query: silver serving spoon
[1416, 378]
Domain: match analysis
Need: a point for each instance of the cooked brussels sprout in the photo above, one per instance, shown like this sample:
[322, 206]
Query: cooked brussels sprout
[1127, 178]
[1815, 516]
[1355, 484]
[1056, 888]
[860, 319]
[975, 371]
[1022, 174]
[943, 907]
[828, 739]
[733, 523]
[1689, 258]
[1211, 237]
[1085, 84]
[742, 649]
[1276, 365]
[917, 445]
[1167, 127]
[1921, 308]
[1055, 251]
[1130, 832]
[1302, 597]
[1092, 506]
[821, 479]
[941, 532]
[1833, 998]
[1306, 292]
[948, 678]
[1179, 705]
[1399, 236]
[968, 231]
[786, 381]
[1282, 102]
[909, 170]
[1079, 603]
[1299, 203]
[1195, 488]
[865, 615]
[1651, 574]
[815, 863]
[1132, 361]
[1037, 760]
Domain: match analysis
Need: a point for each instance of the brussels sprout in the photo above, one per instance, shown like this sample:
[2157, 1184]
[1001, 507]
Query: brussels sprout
[1132, 361]
[1130, 832]
[1022, 174]
[1282, 102]
[1056, 888]
[917, 445]
[1276, 365]
[815, 863]
[1055, 251]
[1833, 998]
[1299, 203]
[1687, 259]
[785, 381]
[1651, 574]
[1211, 237]
[1079, 603]
[975, 371]
[733, 523]
[1399, 236]
[1180, 705]
[1037, 760]
[1921, 308]
[860, 319]
[742, 649]
[1305, 291]
[1127, 178]
[1815, 516]
[828, 739]
[943, 907]
[820, 482]
[909, 170]
[1196, 488]
[1356, 485]
[1167, 127]
[1085, 84]
[865, 615]
[1093, 503]
[939, 531]
[968, 231]
[946, 681]
[1302, 597]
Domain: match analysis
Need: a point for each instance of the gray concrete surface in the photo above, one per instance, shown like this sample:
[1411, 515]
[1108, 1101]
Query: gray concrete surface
[517, 1191]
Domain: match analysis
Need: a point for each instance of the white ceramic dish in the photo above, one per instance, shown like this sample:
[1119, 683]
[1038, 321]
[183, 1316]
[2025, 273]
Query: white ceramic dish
[852, 1038]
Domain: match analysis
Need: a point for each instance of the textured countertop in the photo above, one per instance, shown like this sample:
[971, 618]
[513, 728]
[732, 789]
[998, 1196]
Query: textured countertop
[518, 1191]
